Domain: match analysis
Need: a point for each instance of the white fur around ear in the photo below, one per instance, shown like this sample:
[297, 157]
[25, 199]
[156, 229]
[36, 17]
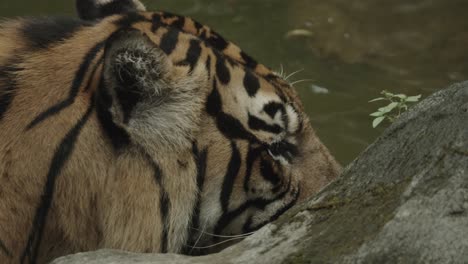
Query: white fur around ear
[158, 104]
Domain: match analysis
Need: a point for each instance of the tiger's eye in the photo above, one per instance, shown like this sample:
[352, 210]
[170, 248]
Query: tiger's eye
[283, 149]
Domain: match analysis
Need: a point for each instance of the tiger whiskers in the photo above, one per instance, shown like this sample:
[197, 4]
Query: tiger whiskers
[292, 74]
[219, 243]
[281, 72]
[223, 236]
[283, 75]
[203, 232]
[299, 81]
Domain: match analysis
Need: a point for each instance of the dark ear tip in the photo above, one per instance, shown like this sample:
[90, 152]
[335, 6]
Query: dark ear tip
[86, 9]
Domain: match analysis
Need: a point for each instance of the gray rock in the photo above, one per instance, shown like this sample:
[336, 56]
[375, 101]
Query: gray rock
[404, 200]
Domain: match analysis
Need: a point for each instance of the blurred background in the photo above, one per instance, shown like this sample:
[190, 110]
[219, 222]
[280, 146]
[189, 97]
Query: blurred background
[348, 51]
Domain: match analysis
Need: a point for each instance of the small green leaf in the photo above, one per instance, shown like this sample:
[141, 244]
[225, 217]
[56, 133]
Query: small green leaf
[377, 121]
[387, 94]
[377, 114]
[377, 99]
[383, 110]
[392, 105]
[398, 103]
[413, 98]
[388, 108]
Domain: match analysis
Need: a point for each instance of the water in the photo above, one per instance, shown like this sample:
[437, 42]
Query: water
[352, 51]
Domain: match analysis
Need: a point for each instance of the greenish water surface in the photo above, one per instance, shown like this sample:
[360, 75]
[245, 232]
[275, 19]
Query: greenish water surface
[347, 50]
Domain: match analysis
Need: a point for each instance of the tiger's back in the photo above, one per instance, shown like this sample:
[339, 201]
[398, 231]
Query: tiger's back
[137, 131]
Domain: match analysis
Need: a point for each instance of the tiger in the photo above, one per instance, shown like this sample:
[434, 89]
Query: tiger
[145, 132]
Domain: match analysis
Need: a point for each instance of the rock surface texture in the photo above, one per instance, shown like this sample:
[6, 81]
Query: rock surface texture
[404, 200]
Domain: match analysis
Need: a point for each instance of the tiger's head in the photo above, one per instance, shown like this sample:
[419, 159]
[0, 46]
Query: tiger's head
[175, 87]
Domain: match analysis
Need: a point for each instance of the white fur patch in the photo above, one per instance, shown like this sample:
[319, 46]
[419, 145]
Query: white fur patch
[279, 158]
[103, 2]
[258, 103]
[139, 6]
[293, 119]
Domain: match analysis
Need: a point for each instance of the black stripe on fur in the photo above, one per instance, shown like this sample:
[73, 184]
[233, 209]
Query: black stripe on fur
[60, 158]
[252, 155]
[217, 41]
[117, 135]
[232, 128]
[156, 22]
[93, 73]
[164, 204]
[258, 203]
[227, 124]
[201, 159]
[77, 82]
[230, 177]
[41, 33]
[249, 61]
[256, 123]
[248, 225]
[7, 85]
[208, 66]
[268, 172]
[213, 103]
[169, 41]
[164, 201]
[251, 83]
[179, 22]
[274, 107]
[193, 53]
[285, 149]
[222, 71]
[5, 249]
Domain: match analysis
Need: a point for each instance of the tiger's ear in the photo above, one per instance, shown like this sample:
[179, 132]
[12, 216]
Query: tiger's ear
[97, 9]
[157, 103]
